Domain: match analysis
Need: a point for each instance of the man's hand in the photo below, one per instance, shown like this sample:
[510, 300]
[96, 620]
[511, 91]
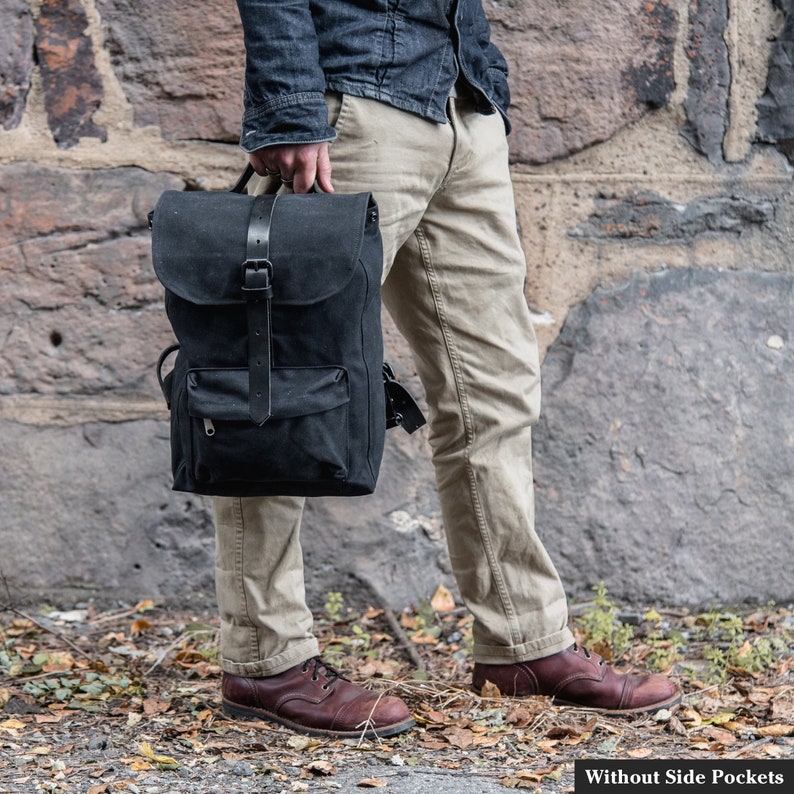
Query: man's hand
[298, 164]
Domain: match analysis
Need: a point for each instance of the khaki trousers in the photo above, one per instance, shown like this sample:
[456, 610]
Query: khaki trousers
[453, 283]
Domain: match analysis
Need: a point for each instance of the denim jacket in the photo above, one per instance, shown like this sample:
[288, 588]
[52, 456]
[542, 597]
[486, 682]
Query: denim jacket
[407, 53]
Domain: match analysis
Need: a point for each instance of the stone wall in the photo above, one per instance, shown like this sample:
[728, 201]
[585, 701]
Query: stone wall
[650, 156]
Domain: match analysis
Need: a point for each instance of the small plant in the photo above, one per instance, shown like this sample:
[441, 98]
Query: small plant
[334, 603]
[716, 665]
[601, 627]
[722, 627]
[729, 647]
[665, 651]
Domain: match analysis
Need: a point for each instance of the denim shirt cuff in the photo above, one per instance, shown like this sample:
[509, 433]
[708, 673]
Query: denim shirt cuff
[288, 119]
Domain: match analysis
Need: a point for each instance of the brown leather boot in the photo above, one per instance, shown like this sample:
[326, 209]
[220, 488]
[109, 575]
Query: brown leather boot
[314, 698]
[578, 677]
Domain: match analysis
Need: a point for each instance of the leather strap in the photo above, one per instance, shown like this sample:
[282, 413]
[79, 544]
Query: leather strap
[257, 290]
[401, 408]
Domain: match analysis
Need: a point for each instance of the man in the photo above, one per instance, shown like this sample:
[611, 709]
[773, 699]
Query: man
[409, 101]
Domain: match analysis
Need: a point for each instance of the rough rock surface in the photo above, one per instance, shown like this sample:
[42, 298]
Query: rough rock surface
[665, 452]
[571, 86]
[775, 108]
[706, 104]
[180, 64]
[16, 63]
[81, 306]
[649, 216]
[94, 502]
[577, 77]
[72, 85]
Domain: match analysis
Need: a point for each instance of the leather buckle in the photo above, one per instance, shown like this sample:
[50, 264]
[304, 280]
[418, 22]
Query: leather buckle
[257, 279]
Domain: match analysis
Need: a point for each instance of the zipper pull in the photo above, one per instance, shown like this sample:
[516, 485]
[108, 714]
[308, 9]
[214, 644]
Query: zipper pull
[209, 428]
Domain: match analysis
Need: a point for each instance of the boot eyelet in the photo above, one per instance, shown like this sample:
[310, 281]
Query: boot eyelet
[315, 678]
[600, 662]
[325, 687]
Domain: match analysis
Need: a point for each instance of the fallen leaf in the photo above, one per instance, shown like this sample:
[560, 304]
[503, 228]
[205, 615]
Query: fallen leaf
[139, 625]
[421, 638]
[548, 745]
[490, 690]
[690, 715]
[155, 706]
[442, 600]
[371, 782]
[298, 742]
[100, 788]
[59, 663]
[776, 730]
[517, 782]
[486, 741]
[433, 744]
[321, 768]
[408, 621]
[375, 668]
[163, 761]
[719, 719]
[640, 752]
[431, 716]
[519, 717]
[725, 738]
[674, 725]
[461, 738]
[42, 719]
[12, 725]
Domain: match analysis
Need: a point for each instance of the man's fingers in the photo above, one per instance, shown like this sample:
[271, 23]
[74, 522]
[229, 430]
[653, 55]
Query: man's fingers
[324, 169]
[298, 165]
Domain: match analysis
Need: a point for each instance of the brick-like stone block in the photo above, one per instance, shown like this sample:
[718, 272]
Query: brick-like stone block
[87, 512]
[775, 108]
[181, 65]
[16, 60]
[81, 306]
[706, 103]
[72, 86]
[648, 216]
[581, 71]
[664, 459]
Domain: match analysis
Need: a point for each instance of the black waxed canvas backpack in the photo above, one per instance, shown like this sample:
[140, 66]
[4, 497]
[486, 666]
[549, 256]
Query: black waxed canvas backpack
[278, 383]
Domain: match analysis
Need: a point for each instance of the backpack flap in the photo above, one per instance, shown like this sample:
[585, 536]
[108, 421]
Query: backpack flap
[199, 244]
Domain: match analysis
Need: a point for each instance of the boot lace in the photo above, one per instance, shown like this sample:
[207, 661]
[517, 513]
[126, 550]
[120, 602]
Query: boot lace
[318, 668]
[587, 654]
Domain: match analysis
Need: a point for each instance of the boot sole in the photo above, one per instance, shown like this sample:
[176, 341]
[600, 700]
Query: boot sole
[247, 713]
[662, 704]
[652, 707]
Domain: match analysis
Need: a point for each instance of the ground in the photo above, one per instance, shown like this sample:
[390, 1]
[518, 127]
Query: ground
[127, 700]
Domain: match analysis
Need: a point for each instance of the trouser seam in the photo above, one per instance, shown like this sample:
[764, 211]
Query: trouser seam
[468, 427]
[239, 551]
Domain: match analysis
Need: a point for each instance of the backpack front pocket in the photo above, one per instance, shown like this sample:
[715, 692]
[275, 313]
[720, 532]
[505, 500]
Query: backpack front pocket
[306, 433]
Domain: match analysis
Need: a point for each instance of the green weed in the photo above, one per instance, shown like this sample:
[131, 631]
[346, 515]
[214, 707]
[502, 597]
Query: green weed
[601, 628]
